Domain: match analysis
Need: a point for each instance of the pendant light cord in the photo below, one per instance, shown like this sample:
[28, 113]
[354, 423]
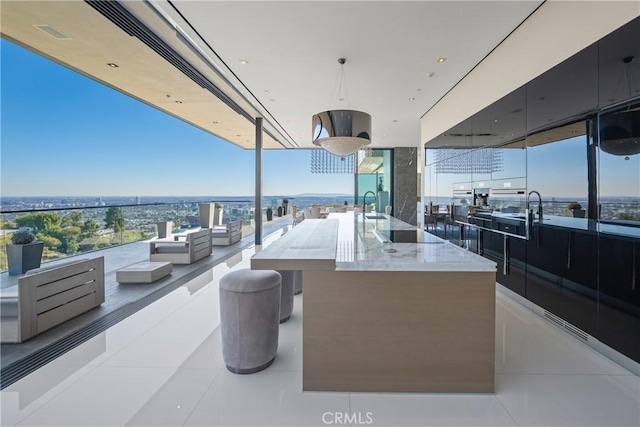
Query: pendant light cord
[340, 81]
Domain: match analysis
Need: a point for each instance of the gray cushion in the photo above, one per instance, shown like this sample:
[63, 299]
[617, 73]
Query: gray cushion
[220, 233]
[172, 249]
[9, 301]
[10, 292]
[246, 280]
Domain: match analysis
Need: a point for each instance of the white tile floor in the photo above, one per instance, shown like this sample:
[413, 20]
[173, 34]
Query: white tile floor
[163, 367]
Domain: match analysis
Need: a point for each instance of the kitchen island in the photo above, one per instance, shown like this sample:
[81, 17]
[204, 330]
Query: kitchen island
[412, 315]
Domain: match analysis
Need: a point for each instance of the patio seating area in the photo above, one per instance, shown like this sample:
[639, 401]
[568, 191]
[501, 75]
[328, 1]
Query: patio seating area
[194, 247]
[121, 300]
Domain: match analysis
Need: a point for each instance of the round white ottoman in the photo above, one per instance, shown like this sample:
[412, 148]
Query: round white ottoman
[249, 319]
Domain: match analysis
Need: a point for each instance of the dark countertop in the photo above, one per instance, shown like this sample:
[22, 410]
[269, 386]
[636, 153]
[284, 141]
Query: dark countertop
[573, 224]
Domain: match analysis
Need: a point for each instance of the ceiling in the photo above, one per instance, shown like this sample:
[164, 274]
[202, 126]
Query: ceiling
[291, 50]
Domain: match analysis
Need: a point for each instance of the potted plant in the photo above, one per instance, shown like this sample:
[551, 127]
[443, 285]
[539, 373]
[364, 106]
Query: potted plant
[24, 253]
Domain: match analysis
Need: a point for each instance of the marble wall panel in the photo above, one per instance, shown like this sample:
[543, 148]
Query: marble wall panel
[405, 184]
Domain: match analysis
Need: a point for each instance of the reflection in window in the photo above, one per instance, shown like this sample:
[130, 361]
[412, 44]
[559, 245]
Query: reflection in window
[557, 169]
[619, 165]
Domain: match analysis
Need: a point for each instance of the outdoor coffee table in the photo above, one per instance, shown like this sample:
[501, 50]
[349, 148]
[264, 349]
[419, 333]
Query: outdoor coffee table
[144, 272]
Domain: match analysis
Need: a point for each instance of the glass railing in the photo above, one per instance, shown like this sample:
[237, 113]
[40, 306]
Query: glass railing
[72, 231]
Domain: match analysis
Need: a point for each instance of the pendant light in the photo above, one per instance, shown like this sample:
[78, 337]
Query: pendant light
[341, 132]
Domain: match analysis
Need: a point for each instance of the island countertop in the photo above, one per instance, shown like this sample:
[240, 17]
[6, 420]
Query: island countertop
[349, 242]
[430, 302]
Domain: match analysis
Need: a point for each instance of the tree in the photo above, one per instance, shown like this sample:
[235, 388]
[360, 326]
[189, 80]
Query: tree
[39, 221]
[73, 219]
[68, 238]
[50, 242]
[114, 219]
[90, 228]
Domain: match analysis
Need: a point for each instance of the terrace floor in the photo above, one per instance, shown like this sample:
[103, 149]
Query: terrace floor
[163, 366]
[121, 300]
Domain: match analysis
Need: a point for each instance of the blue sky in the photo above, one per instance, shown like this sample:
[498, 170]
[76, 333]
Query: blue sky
[64, 134]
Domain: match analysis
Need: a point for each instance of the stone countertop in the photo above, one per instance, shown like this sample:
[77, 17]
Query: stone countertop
[308, 246]
[347, 242]
[366, 244]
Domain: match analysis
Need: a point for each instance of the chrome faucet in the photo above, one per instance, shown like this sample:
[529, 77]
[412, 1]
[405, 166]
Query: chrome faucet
[364, 199]
[539, 203]
[529, 214]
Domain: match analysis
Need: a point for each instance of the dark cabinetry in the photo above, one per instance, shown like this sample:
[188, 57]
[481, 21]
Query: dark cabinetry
[556, 260]
[576, 255]
[494, 246]
[563, 274]
[619, 295]
[590, 280]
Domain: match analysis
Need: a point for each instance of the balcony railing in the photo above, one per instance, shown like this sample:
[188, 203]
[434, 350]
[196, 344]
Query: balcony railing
[72, 231]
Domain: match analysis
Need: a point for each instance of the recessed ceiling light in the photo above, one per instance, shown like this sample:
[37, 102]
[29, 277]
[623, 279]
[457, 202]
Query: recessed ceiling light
[112, 65]
[238, 135]
[442, 59]
[418, 90]
[272, 100]
[395, 121]
[412, 99]
[495, 121]
[178, 102]
[215, 123]
[430, 74]
[244, 61]
[266, 91]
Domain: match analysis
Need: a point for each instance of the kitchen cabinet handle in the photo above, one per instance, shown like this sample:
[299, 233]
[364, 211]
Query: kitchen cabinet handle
[569, 253]
[505, 259]
[633, 272]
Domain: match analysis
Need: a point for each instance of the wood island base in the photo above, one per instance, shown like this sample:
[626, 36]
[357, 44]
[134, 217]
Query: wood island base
[391, 331]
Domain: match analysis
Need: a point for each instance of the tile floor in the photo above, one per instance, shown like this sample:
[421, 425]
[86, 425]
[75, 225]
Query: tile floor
[163, 367]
